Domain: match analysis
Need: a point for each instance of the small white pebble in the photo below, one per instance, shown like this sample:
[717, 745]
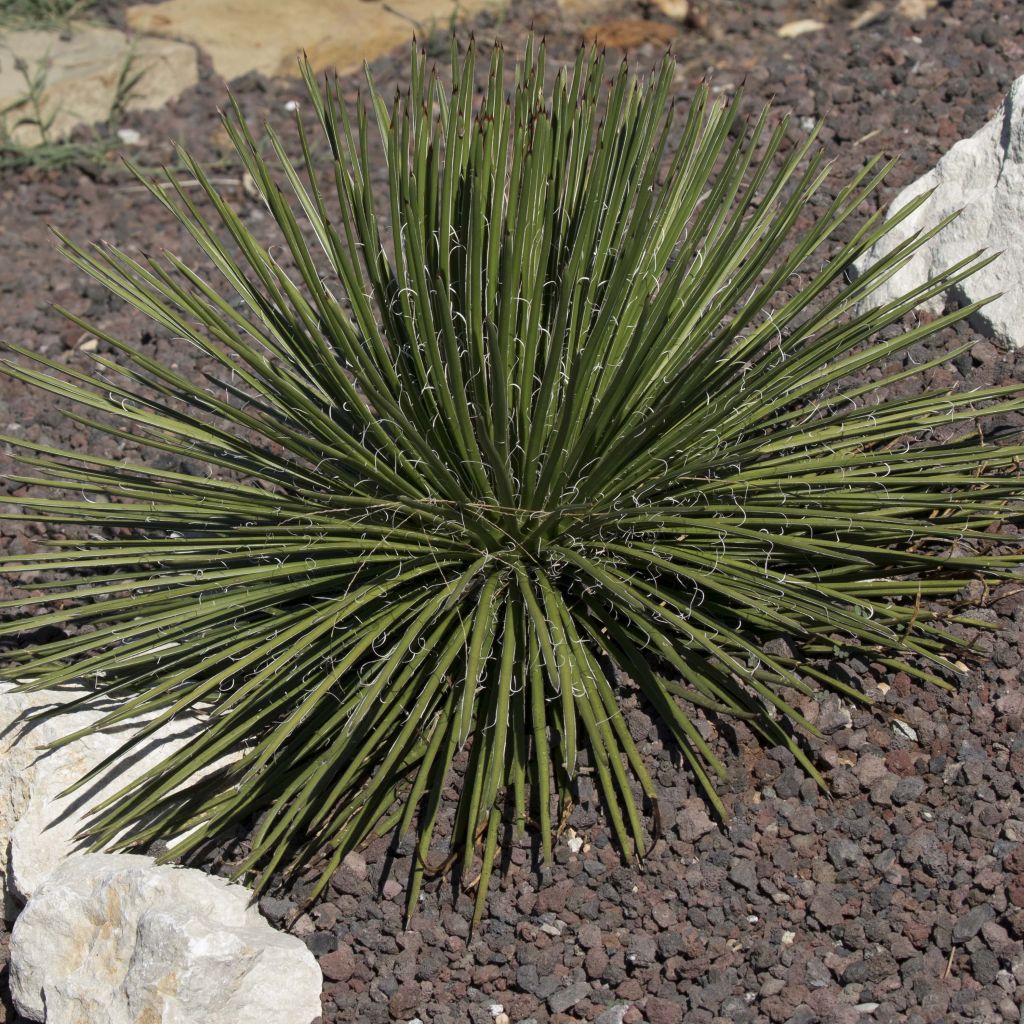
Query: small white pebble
[291, 106]
[752, 919]
[902, 729]
[801, 27]
[496, 1009]
[788, 938]
[129, 136]
[575, 844]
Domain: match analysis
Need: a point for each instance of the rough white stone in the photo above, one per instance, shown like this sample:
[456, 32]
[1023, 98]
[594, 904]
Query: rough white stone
[20, 763]
[37, 827]
[117, 939]
[983, 176]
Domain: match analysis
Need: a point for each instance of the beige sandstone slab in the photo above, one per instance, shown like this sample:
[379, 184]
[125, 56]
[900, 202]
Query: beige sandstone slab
[678, 10]
[267, 35]
[585, 6]
[82, 72]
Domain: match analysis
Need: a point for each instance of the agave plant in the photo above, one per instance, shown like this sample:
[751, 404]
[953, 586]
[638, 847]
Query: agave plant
[558, 416]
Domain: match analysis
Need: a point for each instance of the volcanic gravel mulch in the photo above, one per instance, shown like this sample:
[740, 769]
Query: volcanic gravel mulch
[901, 898]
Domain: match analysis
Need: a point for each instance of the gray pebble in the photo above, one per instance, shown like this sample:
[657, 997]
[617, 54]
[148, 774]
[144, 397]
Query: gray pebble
[907, 790]
[744, 874]
[843, 851]
[969, 924]
[566, 998]
[613, 1015]
[984, 966]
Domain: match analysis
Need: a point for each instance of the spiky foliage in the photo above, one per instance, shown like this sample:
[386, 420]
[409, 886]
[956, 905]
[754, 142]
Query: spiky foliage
[568, 426]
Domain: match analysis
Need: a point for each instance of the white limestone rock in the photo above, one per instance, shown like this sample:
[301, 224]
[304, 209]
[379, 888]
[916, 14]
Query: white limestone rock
[37, 827]
[118, 939]
[983, 176]
[20, 764]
